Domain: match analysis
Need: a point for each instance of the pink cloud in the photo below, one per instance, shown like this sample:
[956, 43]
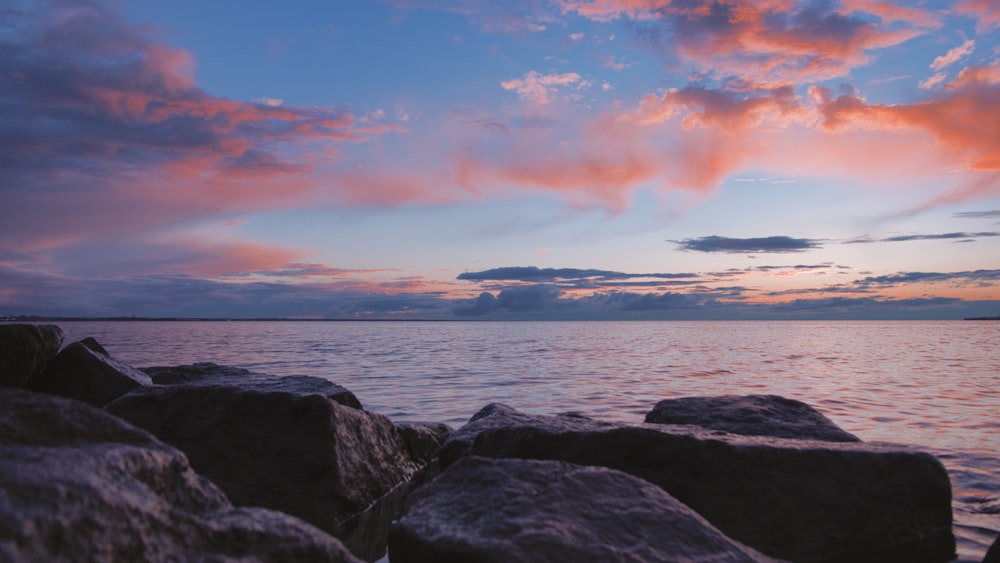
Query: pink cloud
[113, 133]
[539, 88]
[986, 12]
[770, 43]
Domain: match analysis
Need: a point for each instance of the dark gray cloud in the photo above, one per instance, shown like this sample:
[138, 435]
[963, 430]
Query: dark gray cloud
[980, 276]
[534, 274]
[962, 236]
[754, 245]
[519, 299]
[993, 214]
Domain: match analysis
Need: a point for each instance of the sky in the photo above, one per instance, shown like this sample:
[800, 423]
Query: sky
[472, 159]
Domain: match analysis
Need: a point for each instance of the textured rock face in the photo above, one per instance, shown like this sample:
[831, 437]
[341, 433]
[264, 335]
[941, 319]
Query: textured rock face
[302, 454]
[209, 374]
[24, 351]
[498, 415]
[77, 484]
[83, 371]
[791, 499]
[750, 415]
[519, 510]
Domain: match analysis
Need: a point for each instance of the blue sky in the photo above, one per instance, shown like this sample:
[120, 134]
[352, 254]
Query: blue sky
[569, 159]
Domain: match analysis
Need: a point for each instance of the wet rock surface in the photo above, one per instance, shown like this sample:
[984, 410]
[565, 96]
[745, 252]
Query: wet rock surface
[750, 415]
[77, 484]
[524, 510]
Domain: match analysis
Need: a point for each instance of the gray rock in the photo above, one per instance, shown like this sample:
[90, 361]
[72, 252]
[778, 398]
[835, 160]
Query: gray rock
[423, 440]
[24, 351]
[209, 374]
[791, 499]
[750, 415]
[495, 510]
[498, 415]
[305, 455]
[77, 484]
[82, 371]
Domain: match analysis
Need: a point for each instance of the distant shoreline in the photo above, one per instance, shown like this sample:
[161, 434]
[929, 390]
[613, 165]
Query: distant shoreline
[45, 319]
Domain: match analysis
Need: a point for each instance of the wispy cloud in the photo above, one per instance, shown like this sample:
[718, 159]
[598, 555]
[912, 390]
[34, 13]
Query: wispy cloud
[539, 88]
[753, 245]
[937, 236]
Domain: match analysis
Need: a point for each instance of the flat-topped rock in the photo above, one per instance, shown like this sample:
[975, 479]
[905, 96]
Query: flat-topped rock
[80, 485]
[791, 499]
[499, 415]
[209, 374]
[488, 510]
[750, 415]
[25, 349]
[303, 454]
[84, 371]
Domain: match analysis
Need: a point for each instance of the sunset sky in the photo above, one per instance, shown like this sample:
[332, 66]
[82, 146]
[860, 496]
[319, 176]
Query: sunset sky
[474, 159]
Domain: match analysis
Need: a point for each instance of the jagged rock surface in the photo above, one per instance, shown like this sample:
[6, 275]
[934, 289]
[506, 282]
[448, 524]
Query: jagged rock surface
[751, 415]
[302, 454]
[77, 484]
[490, 510]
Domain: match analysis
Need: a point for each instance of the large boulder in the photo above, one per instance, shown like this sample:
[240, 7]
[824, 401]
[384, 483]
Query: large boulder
[84, 371]
[499, 415]
[791, 499]
[750, 415]
[302, 454]
[209, 374]
[24, 351]
[489, 510]
[77, 484]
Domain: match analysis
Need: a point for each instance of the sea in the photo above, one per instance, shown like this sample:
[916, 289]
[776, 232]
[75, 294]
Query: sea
[931, 384]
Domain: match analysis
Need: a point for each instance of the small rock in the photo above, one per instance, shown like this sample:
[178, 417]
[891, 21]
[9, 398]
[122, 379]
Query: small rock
[750, 415]
[24, 351]
[82, 371]
[493, 510]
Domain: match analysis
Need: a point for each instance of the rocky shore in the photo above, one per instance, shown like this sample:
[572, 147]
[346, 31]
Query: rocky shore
[101, 461]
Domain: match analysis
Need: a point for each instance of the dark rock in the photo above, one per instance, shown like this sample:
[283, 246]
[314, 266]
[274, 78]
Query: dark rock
[423, 440]
[81, 371]
[993, 555]
[24, 351]
[209, 374]
[302, 454]
[77, 484]
[498, 415]
[750, 415]
[92, 344]
[791, 499]
[366, 533]
[494, 510]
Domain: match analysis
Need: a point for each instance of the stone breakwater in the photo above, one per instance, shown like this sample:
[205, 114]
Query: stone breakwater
[100, 461]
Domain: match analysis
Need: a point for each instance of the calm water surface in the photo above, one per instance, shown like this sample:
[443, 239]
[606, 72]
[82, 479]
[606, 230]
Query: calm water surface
[927, 383]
